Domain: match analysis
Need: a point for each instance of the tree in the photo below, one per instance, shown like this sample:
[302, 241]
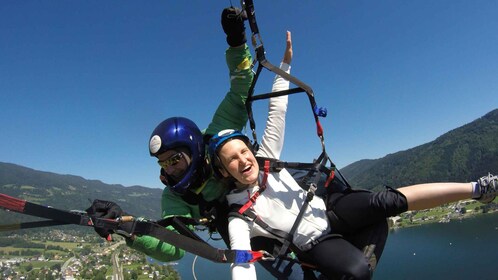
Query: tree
[100, 275]
[56, 266]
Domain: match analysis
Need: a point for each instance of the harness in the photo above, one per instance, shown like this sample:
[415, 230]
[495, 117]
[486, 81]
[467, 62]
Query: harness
[257, 43]
[319, 164]
[214, 215]
[247, 212]
[189, 242]
[320, 169]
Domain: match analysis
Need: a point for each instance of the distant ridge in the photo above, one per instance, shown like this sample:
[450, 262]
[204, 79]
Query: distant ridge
[74, 192]
[463, 154]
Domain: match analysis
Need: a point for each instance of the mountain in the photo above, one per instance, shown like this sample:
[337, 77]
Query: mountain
[461, 155]
[72, 192]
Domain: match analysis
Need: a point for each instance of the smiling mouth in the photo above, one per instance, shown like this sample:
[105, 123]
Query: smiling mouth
[247, 169]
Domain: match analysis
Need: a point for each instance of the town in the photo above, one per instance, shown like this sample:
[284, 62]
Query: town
[71, 255]
[60, 253]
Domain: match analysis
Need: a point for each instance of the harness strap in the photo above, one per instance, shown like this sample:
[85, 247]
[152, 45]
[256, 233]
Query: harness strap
[262, 187]
[288, 241]
[257, 43]
[25, 225]
[139, 227]
[246, 211]
[180, 224]
[277, 165]
[252, 216]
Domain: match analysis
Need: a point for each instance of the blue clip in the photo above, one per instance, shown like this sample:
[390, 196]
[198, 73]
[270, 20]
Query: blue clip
[321, 112]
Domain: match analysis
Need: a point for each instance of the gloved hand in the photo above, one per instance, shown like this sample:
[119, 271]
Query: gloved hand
[232, 21]
[106, 210]
[125, 229]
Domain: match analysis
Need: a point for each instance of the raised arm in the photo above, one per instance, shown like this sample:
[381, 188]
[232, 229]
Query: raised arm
[231, 113]
[273, 137]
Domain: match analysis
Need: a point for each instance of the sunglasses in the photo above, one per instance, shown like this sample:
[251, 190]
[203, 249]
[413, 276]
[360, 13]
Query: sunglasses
[171, 161]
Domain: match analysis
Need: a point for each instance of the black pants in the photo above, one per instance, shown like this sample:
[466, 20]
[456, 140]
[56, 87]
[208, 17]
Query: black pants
[360, 217]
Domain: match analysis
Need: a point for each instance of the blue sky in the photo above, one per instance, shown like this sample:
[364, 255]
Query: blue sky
[84, 83]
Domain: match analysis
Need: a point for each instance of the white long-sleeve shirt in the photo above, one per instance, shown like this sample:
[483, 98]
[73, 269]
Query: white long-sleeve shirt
[280, 203]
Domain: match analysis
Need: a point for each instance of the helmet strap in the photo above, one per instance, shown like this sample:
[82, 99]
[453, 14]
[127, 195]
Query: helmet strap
[199, 182]
[187, 158]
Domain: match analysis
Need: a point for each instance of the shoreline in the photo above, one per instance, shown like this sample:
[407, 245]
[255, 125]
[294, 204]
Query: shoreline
[445, 214]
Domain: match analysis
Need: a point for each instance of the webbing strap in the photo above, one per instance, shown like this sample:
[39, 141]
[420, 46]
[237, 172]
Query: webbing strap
[313, 168]
[262, 187]
[257, 43]
[139, 227]
[288, 241]
[27, 225]
[277, 165]
[180, 224]
[251, 215]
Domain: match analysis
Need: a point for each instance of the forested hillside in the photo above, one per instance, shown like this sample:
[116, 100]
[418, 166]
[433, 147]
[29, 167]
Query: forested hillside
[463, 154]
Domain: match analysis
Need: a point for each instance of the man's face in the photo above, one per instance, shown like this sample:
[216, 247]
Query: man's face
[174, 163]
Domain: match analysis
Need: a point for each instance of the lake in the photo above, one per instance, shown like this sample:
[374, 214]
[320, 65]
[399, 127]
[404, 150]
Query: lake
[466, 249]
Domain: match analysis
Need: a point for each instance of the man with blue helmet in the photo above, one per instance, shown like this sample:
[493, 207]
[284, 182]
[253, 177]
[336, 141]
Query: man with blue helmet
[179, 146]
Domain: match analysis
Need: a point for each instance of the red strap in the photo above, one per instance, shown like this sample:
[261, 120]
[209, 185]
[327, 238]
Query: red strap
[262, 187]
[256, 256]
[330, 178]
[319, 129]
[12, 203]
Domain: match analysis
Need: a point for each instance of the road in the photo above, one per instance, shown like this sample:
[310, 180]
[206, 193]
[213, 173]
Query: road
[66, 264]
[117, 268]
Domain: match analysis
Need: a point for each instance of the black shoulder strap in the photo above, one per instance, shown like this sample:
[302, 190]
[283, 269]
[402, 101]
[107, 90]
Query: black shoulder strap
[257, 43]
[181, 225]
[250, 215]
[139, 227]
[26, 225]
[277, 165]
[214, 213]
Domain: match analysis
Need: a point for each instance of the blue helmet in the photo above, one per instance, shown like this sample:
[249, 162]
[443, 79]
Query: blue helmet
[179, 132]
[217, 141]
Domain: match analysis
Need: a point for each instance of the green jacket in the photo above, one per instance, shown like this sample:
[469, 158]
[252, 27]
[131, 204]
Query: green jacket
[231, 113]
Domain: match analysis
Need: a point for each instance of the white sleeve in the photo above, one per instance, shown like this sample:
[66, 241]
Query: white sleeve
[273, 138]
[240, 239]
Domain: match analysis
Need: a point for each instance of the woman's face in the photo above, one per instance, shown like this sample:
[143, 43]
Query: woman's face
[239, 161]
